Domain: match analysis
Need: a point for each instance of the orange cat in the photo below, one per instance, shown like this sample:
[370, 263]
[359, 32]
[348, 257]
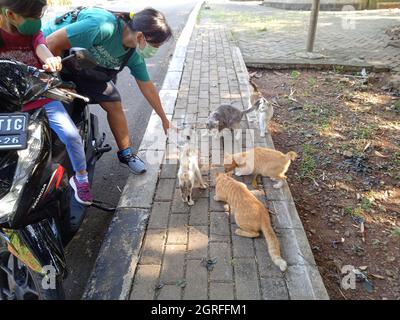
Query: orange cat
[251, 215]
[266, 162]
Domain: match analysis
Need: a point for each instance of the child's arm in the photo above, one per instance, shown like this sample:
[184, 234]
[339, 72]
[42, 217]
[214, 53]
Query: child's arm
[52, 64]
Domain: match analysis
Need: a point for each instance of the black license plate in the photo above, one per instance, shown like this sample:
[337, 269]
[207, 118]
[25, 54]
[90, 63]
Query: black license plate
[13, 131]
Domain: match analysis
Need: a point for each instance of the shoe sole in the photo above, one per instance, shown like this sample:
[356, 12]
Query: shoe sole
[134, 172]
[73, 186]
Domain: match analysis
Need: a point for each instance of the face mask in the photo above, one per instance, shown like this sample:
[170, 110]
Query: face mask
[147, 52]
[29, 27]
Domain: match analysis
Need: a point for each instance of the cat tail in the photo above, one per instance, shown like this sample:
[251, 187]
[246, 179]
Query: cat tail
[272, 242]
[252, 108]
[255, 87]
[291, 155]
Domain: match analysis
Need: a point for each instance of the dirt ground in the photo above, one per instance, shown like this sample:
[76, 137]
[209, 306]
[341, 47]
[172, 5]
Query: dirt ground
[346, 182]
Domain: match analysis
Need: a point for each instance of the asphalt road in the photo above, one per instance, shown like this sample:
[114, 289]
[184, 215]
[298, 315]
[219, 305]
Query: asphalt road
[110, 177]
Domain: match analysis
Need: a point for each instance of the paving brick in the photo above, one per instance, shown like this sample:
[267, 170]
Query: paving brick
[165, 190]
[169, 171]
[215, 205]
[198, 242]
[266, 267]
[274, 288]
[196, 281]
[221, 291]
[178, 206]
[177, 229]
[153, 247]
[159, 215]
[284, 214]
[299, 283]
[145, 282]
[172, 265]
[246, 279]
[199, 213]
[200, 193]
[242, 246]
[219, 226]
[223, 268]
[294, 246]
[169, 292]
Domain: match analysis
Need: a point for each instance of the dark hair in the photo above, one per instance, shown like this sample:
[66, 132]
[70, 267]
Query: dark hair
[151, 22]
[25, 8]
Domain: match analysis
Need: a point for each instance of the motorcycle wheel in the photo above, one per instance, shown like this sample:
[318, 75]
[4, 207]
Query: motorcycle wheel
[18, 282]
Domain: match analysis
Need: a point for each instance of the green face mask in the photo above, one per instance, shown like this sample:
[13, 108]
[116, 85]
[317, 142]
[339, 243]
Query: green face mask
[29, 27]
[147, 52]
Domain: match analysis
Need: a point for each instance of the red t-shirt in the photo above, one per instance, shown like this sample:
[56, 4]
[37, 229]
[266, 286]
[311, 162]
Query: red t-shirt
[23, 49]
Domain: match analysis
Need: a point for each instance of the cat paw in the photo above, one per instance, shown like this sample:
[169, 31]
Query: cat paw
[226, 207]
[204, 186]
[216, 198]
[238, 173]
[191, 203]
[282, 264]
[262, 134]
[278, 185]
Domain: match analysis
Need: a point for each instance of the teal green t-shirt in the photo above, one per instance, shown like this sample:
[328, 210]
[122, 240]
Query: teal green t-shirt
[97, 31]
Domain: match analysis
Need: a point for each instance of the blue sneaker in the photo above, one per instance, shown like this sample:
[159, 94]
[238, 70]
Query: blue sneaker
[134, 163]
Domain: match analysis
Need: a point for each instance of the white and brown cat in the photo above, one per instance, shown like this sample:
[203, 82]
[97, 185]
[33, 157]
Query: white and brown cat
[189, 173]
[264, 109]
[261, 161]
[251, 215]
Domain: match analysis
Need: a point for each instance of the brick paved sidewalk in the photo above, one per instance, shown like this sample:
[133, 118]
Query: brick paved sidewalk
[179, 237]
[276, 37]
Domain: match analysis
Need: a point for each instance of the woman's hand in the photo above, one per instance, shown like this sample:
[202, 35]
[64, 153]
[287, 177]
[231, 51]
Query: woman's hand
[53, 64]
[167, 125]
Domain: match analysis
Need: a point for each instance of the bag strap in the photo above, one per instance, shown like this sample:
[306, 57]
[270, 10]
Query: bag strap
[73, 13]
[126, 59]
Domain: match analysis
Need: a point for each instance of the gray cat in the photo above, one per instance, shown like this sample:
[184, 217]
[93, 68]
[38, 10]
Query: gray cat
[226, 117]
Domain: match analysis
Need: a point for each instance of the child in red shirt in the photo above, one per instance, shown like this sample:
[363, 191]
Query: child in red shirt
[22, 40]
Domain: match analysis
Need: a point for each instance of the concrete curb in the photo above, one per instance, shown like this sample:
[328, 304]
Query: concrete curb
[303, 279]
[115, 267]
[313, 64]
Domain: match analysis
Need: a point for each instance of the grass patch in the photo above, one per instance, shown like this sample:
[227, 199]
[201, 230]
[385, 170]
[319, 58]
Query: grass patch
[312, 109]
[308, 163]
[354, 212]
[323, 124]
[396, 106]
[396, 232]
[338, 69]
[312, 82]
[396, 159]
[366, 132]
[295, 74]
[366, 204]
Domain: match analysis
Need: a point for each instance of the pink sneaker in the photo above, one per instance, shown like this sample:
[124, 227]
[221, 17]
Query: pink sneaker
[82, 191]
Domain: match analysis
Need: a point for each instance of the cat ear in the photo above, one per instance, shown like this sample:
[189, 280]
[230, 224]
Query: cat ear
[259, 103]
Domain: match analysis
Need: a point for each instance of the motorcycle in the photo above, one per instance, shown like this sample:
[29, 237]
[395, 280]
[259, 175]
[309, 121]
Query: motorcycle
[38, 212]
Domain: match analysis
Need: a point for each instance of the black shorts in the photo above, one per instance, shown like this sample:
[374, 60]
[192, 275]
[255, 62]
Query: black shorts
[96, 91]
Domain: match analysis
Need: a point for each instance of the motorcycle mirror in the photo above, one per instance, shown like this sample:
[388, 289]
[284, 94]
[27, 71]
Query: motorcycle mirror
[83, 56]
